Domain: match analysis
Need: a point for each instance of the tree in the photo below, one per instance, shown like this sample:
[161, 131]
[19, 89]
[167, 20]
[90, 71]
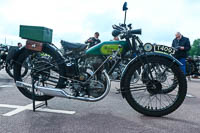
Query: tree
[195, 49]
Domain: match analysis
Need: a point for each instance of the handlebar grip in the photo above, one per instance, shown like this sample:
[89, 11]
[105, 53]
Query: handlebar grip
[137, 31]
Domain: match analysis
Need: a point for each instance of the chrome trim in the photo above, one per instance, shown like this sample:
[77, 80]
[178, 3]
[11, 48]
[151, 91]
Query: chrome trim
[61, 93]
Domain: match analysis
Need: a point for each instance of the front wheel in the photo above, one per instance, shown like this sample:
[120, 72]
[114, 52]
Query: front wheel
[149, 96]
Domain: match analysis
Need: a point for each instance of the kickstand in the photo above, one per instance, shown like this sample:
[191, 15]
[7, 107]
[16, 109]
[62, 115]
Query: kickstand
[33, 97]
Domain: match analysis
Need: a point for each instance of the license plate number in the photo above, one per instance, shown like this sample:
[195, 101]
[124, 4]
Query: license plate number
[164, 49]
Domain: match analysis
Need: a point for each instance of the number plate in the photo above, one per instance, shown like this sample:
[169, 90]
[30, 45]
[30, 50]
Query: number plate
[164, 49]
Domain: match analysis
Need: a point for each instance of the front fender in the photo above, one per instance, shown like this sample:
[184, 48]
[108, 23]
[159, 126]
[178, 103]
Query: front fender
[146, 55]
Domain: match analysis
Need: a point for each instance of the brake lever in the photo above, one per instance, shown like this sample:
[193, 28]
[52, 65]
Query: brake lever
[114, 26]
[130, 26]
[117, 27]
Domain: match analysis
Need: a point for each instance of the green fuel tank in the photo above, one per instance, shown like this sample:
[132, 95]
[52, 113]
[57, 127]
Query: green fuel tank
[106, 48]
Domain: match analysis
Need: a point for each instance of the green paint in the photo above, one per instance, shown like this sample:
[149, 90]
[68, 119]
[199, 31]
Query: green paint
[106, 48]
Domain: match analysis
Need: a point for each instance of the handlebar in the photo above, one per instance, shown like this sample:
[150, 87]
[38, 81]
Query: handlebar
[136, 31]
[121, 29]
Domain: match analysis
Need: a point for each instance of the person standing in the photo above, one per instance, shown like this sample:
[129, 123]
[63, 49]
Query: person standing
[182, 44]
[93, 40]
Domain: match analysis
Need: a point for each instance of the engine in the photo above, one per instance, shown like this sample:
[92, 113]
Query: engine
[97, 85]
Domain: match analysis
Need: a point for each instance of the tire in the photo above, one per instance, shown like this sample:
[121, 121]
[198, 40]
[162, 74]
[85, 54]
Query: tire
[25, 71]
[49, 50]
[153, 90]
[9, 69]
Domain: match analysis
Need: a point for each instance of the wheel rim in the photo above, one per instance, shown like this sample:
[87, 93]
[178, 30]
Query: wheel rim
[149, 95]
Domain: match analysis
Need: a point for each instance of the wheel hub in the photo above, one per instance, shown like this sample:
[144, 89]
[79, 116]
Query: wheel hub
[154, 87]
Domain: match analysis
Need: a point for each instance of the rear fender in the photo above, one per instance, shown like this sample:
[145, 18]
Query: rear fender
[23, 49]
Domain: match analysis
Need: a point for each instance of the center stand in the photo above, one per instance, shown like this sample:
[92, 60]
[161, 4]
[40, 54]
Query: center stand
[33, 97]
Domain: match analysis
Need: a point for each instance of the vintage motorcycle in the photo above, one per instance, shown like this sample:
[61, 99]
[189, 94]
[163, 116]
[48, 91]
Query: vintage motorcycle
[3, 56]
[192, 67]
[6, 61]
[83, 76]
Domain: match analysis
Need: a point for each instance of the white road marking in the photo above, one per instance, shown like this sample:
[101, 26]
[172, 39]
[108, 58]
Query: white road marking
[9, 106]
[56, 111]
[20, 109]
[30, 107]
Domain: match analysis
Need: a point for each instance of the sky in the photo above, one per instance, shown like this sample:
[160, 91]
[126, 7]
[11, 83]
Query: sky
[77, 20]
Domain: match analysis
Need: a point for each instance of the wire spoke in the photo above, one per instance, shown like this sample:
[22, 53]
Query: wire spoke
[155, 88]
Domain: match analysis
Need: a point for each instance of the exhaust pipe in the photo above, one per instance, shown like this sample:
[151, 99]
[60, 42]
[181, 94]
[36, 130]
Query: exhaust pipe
[61, 93]
[23, 85]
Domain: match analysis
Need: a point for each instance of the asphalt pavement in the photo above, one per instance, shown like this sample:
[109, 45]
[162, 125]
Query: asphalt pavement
[110, 115]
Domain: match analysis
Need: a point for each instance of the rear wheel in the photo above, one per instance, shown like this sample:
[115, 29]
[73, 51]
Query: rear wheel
[48, 71]
[149, 96]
